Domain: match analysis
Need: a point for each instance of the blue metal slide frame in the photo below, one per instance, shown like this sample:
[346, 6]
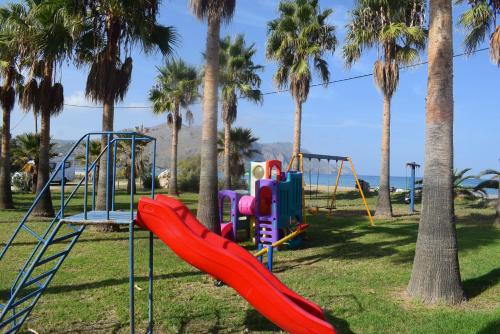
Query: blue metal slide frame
[11, 318]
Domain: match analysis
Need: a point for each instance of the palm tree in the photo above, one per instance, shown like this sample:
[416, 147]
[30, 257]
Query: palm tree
[396, 30]
[242, 148]
[298, 40]
[124, 155]
[9, 54]
[214, 12]
[238, 78]
[113, 28]
[492, 183]
[46, 38]
[176, 87]
[26, 155]
[435, 276]
[478, 21]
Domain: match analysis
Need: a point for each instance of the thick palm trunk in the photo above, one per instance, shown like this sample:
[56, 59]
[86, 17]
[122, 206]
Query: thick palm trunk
[5, 185]
[297, 132]
[172, 184]
[207, 203]
[44, 207]
[104, 196]
[436, 273]
[384, 207]
[227, 156]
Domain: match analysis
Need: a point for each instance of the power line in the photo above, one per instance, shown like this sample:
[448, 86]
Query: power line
[287, 90]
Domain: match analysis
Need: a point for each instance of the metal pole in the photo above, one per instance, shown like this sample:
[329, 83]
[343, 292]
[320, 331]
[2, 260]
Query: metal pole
[412, 189]
[108, 172]
[114, 177]
[131, 241]
[63, 176]
[93, 187]
[151, 250]
[85, 191]
[339, 172]
[361, 192]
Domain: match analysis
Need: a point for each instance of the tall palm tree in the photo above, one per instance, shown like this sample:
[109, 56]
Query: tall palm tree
[480, 20]
[214, 12]
[298, 40]
[176, 87]
[9, 71]
[435, 276]
[238, 79]
[242, 148]
[492, 183]
[113, 29]
[396, 30]
[46, 38]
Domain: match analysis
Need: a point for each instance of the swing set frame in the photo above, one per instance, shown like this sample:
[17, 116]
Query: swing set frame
[319, 157]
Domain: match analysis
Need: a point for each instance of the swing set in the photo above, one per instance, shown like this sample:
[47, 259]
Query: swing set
[317, 201]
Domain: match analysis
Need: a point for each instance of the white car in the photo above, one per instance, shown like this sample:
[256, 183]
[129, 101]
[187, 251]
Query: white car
[69, 169]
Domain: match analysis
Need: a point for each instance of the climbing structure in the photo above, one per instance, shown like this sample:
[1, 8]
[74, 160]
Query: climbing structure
[55, 240]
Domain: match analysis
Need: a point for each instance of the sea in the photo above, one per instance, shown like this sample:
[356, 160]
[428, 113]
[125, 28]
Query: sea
[398, 182]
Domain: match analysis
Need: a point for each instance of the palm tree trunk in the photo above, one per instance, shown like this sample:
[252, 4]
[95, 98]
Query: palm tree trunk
[384, 207]
[172, 184]
[44, 207]
[104, 196]
[6, 201]
[436, 272]
[227, 156]
[207, 203]
[297, 132]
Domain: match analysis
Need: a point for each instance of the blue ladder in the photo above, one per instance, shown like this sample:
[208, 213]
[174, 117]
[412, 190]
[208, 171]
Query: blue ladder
[42, 265]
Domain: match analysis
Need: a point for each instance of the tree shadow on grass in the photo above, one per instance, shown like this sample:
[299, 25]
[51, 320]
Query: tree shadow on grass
[56, 289]
[491, 328]
[475, 286]
[254, 321]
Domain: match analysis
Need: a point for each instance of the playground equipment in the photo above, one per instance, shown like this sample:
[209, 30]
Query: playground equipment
[171, 221]
[413, 166]
[57, 237]
[174, 224]
[272, 207]
[328, 158]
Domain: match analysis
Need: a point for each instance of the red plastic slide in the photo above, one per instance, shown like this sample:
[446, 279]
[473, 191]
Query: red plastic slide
[173, 223]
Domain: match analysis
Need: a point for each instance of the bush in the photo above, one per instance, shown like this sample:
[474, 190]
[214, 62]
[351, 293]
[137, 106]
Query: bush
[189, 174]
[21, 181]
[146, 182]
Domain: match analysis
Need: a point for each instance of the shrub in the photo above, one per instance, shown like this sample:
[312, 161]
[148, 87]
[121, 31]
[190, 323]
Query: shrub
[21, 181]
[189, 174]
[146, 182]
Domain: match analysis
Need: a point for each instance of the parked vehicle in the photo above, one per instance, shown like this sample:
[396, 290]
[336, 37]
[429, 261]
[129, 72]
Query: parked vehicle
[69, 169]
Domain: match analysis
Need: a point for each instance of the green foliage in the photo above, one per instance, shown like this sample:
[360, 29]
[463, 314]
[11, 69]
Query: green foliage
[238, 75]
[395, 28]
[242, 148]
[479, 21]
[176, 87]
[189, 174]
[147, 181]
[298, 40]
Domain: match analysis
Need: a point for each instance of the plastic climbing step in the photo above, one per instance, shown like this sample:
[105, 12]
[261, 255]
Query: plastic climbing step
[31, 282]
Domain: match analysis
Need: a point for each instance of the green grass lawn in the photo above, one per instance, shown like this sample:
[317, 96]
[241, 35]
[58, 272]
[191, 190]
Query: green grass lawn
[357, 273]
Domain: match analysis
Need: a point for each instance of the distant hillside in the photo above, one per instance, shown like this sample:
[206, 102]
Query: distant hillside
[189, 145]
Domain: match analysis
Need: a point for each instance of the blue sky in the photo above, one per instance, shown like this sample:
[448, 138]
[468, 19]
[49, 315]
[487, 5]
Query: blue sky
[343, 119]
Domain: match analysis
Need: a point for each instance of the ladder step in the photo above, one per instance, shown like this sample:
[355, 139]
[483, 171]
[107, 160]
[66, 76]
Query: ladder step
[65, 237]
[28, 297]
[50, 258]
[15, 316]
[39, 277]
[33, 233]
